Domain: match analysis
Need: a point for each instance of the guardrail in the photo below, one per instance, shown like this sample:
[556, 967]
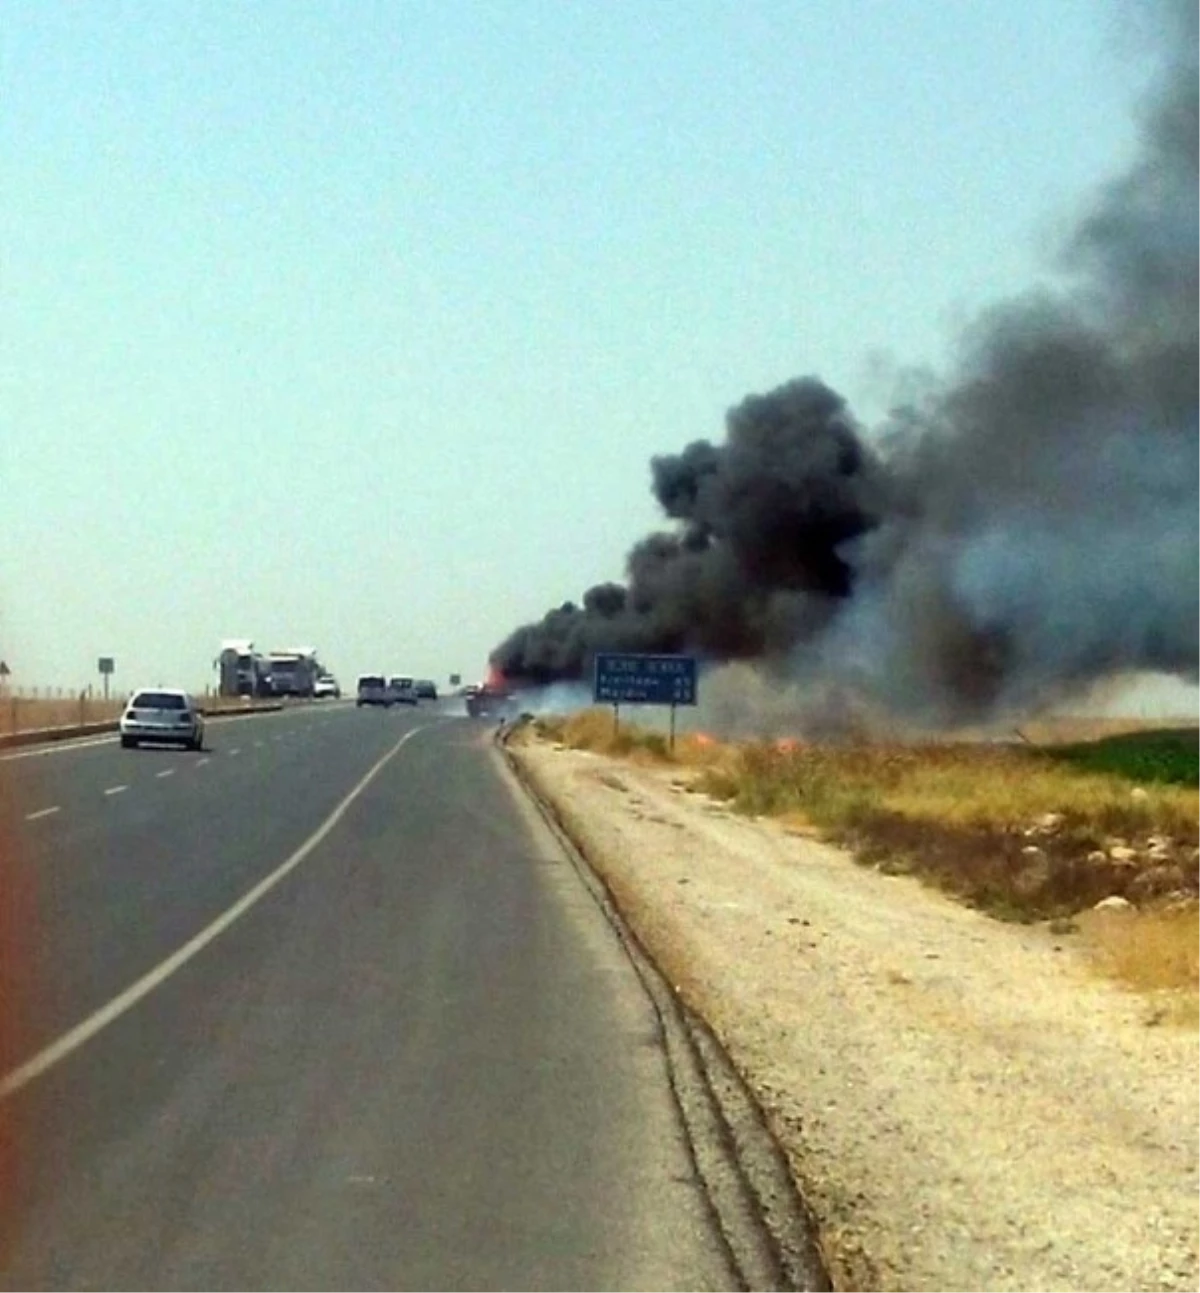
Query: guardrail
[47, 735]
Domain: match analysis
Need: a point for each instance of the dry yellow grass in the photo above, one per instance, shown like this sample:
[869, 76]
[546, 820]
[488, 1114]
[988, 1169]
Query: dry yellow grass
[34, 713]
[1008, 789]
[595, 729]
[1007, 828]
[1010, 828]
[39, 713]
[957, 784]
[1155, 952]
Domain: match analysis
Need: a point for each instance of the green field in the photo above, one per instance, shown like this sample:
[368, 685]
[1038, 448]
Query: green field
[1168, 757]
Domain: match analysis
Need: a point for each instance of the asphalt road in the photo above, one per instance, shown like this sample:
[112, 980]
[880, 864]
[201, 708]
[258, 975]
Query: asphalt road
[326, 1007]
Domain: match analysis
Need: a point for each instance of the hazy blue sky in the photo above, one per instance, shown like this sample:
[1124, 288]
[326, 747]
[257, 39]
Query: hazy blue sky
[356, 324]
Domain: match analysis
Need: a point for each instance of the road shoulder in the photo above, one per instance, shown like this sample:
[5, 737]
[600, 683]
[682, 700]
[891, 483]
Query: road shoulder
[961, 1103]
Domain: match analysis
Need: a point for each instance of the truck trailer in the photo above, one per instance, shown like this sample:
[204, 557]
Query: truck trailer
[241, 669]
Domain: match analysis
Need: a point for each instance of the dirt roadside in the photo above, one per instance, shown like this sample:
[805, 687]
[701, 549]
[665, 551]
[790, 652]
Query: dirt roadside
[964, 1105]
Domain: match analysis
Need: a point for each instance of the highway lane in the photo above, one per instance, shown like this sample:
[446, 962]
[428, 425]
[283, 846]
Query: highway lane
[420, 1060]
[149, 845]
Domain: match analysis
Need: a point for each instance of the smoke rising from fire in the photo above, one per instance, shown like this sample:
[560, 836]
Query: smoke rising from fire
[1019, 532]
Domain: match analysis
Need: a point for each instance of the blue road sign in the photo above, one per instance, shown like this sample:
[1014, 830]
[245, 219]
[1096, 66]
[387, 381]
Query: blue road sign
[623, 678]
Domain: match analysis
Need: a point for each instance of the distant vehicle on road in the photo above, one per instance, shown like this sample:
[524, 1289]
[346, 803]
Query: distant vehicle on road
[165, 715]
[372, 690]
[327, 685]
[426, 689]
[293, 672]
[241, 669]
[491, 699]
[402, 691]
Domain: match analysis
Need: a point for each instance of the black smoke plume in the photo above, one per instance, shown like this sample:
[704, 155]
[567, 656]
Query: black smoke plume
[753, 566]
[1025, 529]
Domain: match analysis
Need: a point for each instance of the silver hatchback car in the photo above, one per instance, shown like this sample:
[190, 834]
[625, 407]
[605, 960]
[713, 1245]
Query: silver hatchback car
[163, 715]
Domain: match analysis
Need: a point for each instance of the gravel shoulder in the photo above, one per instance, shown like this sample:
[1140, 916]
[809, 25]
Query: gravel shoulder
[963, 1104]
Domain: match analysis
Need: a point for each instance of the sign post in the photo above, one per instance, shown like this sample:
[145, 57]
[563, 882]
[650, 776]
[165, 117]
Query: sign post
[641, 679]
[105, 667]
[5, 674]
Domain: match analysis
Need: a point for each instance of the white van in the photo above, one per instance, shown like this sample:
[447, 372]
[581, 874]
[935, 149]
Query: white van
[372, 690]
[402, 691]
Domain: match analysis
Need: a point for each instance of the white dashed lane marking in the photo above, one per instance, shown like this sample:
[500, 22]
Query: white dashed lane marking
[115, 790]
[41, 812]
[166, 772]
[81, 1033]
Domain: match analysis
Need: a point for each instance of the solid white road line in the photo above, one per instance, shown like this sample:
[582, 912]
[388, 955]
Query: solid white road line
[41, 812]
[59, 747]
[83, 1032]
[103, 738]
[115, 790]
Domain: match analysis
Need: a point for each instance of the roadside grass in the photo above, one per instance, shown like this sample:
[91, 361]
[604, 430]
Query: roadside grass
[1025, 833]
[38, 713]
[33, 713]
[1154, 952]
[1015, 832]
[595, 730]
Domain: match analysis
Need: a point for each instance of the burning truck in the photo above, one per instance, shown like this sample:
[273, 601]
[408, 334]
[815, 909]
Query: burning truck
[495, 697]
